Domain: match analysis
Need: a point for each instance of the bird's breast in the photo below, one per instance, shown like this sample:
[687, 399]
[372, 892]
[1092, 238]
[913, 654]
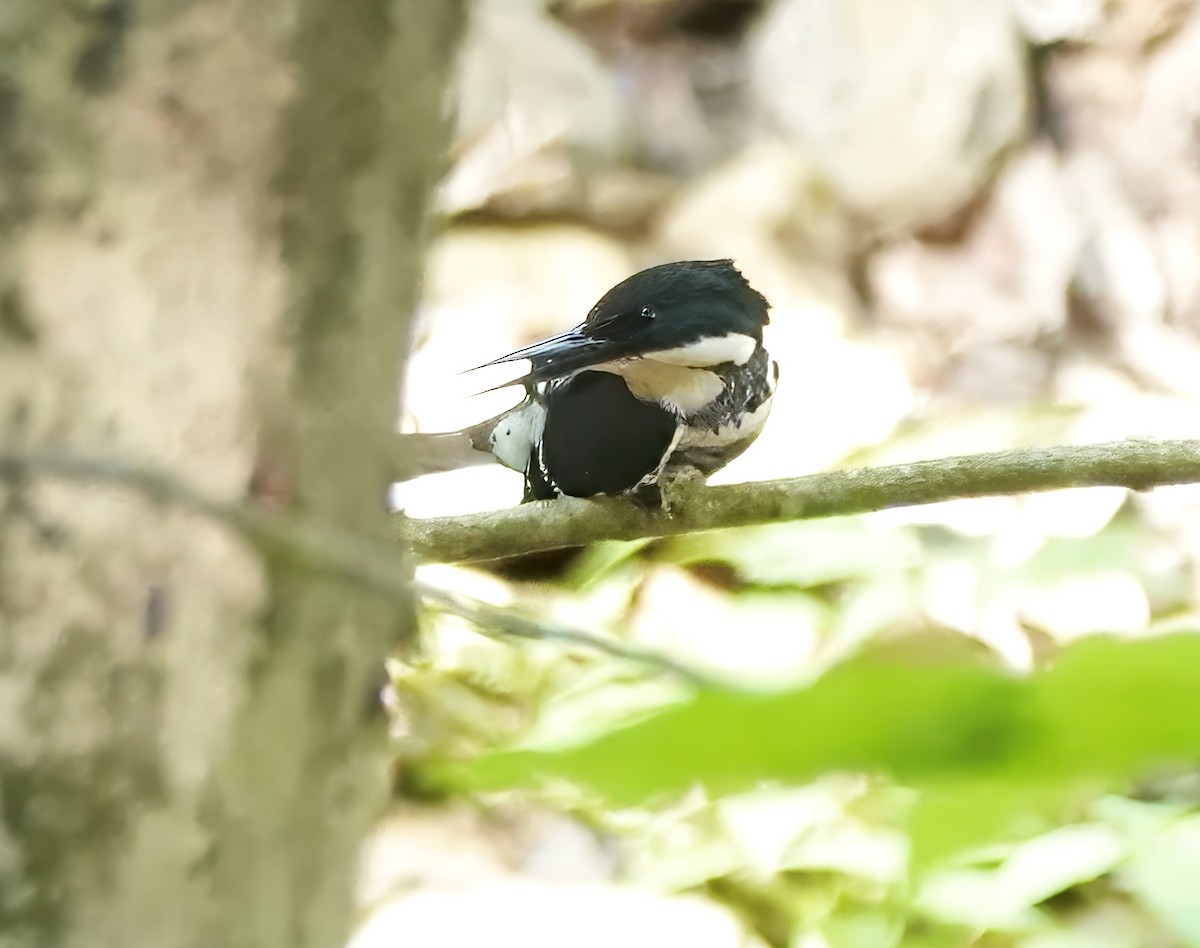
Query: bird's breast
[682, 389]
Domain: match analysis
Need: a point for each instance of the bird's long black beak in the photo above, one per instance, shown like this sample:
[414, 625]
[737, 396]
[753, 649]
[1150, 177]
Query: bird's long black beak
[558, 355]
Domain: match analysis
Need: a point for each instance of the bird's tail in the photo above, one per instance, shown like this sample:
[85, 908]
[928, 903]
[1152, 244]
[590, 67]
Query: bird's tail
[417, 453]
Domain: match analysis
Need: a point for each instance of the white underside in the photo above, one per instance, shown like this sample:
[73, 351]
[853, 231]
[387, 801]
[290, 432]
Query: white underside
[513, 439]
[729, 433]
[675, 387]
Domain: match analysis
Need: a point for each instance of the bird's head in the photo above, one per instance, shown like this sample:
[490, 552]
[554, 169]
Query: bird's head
[693, 312]
[678, 304]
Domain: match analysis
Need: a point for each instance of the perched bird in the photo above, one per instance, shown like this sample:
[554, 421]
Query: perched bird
[667, 375]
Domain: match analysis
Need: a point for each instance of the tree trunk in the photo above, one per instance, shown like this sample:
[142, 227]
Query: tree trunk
[210, 226]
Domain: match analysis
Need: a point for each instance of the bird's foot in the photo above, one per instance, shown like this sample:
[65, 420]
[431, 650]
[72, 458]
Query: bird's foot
[649, 499]
[668, 491]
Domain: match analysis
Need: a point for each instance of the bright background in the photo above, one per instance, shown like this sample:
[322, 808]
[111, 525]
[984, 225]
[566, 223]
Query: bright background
[979, 227]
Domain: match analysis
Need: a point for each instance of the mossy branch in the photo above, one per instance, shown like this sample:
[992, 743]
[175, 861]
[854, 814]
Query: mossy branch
[1136, 464]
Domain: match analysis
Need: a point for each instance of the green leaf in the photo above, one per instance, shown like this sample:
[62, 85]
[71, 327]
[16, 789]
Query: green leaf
[1165, 871]
[1035, 871]
[875, 854]
[910, 722]
[962, 813]
[599, 560]
[868, 609]
[1113, 707]
[983, 746]
[766, 824]
[1116, 547]
[863, 929]
[1085, 936]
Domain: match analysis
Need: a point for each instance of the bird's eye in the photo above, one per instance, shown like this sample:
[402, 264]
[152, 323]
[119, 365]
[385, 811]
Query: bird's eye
[647, 312]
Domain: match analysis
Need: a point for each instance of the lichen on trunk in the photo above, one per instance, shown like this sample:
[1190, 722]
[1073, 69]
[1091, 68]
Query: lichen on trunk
[211, 216]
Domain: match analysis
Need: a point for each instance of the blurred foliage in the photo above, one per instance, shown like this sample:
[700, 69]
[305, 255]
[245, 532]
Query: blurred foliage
[972, 723]
[951, 727]
[897, 781]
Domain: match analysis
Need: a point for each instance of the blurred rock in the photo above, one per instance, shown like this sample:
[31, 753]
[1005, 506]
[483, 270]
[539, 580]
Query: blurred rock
[681, 69]
[767, 198]
[1176, 241]
[543, 915]
[452, 846]
[420, 847]
[1155, 148]
[905, 106]
[971, 314]
[556, 848]
[1116, 280]
[627, 199]
[1056, 21]
[1129, 129]
[1136, 112]
[651, 20]
[1134, 25]
[536, 109]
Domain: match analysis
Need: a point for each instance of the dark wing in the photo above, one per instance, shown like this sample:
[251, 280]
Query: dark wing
[599, 438]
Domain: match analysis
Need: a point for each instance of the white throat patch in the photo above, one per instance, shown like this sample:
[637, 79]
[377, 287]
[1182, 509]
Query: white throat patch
[715, 350]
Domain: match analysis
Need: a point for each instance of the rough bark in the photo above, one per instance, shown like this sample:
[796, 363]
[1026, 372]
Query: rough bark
[209, 235]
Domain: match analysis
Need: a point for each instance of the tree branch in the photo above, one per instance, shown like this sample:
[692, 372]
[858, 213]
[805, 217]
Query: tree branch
[1135, 463]
[314, 544]
[331, 550]
[501, 622]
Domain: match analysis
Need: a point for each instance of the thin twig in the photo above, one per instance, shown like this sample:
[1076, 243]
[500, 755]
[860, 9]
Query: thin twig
[1136, 464]
[500, 622]
[323, 547]
[373, 564]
